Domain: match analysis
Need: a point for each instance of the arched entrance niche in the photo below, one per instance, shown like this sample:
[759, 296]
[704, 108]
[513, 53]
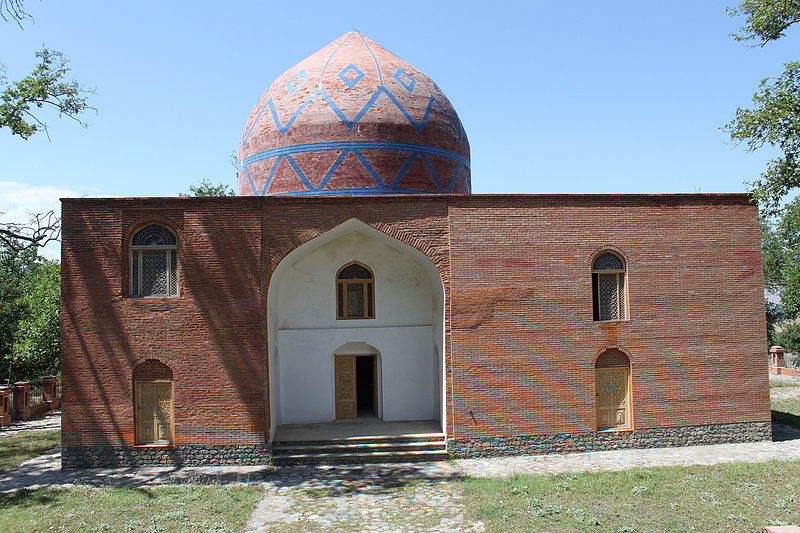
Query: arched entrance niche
[305, 335]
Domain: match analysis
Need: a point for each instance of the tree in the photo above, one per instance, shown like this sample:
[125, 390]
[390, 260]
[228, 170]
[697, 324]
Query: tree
[206, 188]
[775, 118]
[38, 231]
[46, 87]
[37, 340]
[766, 19]
[17, 266]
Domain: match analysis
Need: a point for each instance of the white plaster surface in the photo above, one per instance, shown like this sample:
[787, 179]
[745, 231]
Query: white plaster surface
[405, 333]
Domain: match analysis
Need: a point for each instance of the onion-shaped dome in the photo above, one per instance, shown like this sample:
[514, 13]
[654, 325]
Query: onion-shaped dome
[353, 119]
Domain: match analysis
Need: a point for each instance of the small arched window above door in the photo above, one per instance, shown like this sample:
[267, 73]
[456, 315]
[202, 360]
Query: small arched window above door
[355, 292]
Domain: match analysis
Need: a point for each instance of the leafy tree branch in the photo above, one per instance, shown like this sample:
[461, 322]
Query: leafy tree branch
[45, 87]
[767, 20]
[774, 120]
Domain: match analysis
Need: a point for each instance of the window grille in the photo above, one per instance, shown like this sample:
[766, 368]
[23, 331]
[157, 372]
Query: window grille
[154, 263]
[355, 292]
[608, 287]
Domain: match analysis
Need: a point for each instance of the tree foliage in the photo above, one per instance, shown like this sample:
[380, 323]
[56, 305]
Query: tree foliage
[767, 20]
[29, 325]
[781, 253]
[206, 188]
[774, 119]
[45, 87]
[37, 340]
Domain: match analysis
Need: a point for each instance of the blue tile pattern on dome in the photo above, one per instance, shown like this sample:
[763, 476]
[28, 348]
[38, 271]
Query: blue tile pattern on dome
[291, 86]
[444, 184]
[345, 75]
[405, 79]
[351, 123]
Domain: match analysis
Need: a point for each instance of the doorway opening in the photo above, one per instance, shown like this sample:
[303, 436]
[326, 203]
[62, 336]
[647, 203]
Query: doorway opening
[365, 386]
[356, 386]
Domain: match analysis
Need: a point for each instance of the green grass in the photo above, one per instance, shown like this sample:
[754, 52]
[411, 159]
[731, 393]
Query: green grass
[778, 384]
[25, 445]
[731, 497]
[162, 509]
[786, 412]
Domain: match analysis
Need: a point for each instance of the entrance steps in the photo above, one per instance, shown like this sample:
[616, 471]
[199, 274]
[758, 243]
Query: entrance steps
[361, 450]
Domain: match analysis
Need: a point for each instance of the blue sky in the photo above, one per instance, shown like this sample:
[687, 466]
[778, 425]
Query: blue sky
[578, 97]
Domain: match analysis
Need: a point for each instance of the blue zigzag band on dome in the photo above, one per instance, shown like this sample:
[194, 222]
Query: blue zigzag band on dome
[418, 126]
[340, 192]
[354, 145]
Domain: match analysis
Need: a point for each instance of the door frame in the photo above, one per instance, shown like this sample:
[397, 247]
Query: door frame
[377, 394]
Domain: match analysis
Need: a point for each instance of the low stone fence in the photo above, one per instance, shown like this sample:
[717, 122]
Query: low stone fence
[24, 400]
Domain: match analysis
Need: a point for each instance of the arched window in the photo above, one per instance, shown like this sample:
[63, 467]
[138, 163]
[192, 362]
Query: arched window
[613, 390]
[154, 263]
[152, 381]
[355, 292]
[608, 287]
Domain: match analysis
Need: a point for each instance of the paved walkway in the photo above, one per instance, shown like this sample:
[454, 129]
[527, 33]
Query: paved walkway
[51, 420]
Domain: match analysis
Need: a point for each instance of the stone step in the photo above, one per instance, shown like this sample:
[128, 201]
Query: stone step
[360, 458]
[377, 439]
[361, 447]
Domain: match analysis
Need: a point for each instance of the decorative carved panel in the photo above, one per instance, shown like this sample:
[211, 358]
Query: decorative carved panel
[613, 398]
[153, 412]
[345, 369]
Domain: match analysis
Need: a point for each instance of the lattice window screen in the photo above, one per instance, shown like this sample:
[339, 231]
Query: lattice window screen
[154, 263]
[608, 261]
[154, 235]
[155, 273]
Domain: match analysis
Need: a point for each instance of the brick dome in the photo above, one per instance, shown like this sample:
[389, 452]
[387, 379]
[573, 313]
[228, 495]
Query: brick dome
[352, 119]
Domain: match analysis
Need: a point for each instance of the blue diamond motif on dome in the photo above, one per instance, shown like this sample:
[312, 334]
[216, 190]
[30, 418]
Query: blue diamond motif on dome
[405, 79]
[293, 84]
[351, 75]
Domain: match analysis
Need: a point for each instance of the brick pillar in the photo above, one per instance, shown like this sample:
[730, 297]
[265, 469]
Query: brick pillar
[22, 403]
[49, 390]
[5, 406]
[777, 356]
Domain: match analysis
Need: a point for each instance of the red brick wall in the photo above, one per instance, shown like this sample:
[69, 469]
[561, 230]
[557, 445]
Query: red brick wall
[521, 342]
[696, 333]
[212, 336]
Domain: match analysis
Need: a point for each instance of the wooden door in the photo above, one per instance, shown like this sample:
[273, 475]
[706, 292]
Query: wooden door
[613, 398]
[153, 412]
[345, 371]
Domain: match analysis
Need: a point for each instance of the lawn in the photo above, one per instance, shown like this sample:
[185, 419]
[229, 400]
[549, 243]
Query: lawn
[786, 412]
[773, 384]
[25, 445]
[162, 509]
[730, 497]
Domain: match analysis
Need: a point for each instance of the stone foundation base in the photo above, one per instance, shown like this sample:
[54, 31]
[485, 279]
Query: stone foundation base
[136, 456]
[610, 440]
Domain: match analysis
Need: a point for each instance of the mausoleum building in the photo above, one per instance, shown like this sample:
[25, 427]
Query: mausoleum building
[356, 279]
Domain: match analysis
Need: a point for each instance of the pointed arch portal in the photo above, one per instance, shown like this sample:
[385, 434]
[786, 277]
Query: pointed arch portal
[397, 353]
